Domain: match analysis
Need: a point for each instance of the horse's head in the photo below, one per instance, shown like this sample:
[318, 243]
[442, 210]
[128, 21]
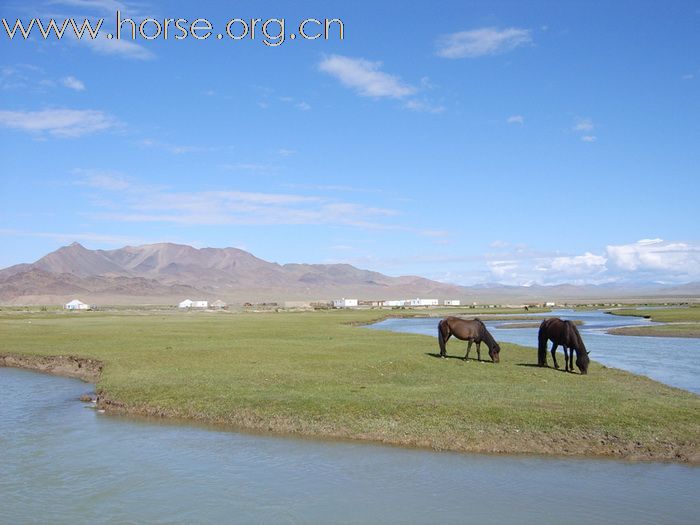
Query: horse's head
[582, 361]
[493, 353]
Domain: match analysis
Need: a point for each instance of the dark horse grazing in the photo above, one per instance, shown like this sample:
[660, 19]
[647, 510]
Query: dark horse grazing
[566, 334]
[473, 331]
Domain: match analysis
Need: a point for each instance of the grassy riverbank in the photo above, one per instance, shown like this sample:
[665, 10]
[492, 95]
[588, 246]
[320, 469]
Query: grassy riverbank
[316, 374]
[682, 322]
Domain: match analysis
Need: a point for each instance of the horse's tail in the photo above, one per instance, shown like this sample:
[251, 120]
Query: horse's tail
[542, 344]
[441, 337]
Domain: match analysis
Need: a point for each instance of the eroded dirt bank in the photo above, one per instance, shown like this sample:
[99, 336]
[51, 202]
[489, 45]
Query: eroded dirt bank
[88, 370]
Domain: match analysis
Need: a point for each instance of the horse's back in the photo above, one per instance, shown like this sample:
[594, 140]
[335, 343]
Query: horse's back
[554, 329]
[462, 328]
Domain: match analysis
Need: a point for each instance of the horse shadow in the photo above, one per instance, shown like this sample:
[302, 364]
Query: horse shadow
[535, 365]
[461, 358]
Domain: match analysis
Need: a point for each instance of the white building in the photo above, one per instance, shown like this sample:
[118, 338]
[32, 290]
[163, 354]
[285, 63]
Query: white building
[76, 305]
[452, 302]
[549, 304]
[401, 302]
[424, 302]
[344, 303]
[189, 303]
[219, 305]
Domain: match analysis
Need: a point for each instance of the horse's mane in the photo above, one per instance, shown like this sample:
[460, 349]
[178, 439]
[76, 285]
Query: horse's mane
[575, 336]
[485, 334]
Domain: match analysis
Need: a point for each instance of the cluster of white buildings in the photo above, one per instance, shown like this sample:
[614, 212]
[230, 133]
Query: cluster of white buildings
[202, 305]
[345, 303]
[188, 304]
[352, 303]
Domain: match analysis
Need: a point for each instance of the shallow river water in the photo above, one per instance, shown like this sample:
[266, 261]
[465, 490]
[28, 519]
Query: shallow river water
[61, 462]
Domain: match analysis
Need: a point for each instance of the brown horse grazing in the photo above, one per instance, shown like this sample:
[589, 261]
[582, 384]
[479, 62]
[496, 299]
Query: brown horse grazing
[473, 331]
[566, 334]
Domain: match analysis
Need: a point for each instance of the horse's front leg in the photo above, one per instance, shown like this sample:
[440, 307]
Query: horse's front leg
[571, 359]
[554, 355]
[566, 359]
[478, 350]
[469, 347]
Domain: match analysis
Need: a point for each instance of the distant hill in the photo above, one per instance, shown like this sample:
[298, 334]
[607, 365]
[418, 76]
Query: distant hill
[168, 273]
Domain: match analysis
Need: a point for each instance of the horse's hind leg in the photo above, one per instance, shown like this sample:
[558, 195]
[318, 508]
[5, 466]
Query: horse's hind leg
[442, 339]
[554, 354]
[469, 347]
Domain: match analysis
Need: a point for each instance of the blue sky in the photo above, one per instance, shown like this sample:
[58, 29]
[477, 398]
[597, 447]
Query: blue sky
[470, 142]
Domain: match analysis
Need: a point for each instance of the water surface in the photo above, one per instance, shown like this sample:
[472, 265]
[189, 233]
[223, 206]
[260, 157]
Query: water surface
[63, 463]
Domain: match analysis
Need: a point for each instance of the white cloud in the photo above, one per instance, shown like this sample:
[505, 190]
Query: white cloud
[27, 77]
[503, 269]
[103, 180]
[583, 124]
[106, 6]
[648, 260]
[586, 265]
[368, 80]
[424, 106]
[333, 188]
[482, 42]
[250, 167]
[177, 149]
[584, 127]
[127, 201]
[665, 258]
[365, 77]
[516, 119]
[73, 83]
[124, 200]
[63, 123]
[248, 208]
[122, 48]
[18, 77]
[304, 106]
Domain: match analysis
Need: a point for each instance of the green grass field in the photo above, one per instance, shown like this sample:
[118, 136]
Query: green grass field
[683, 322]
[664, 315]
[319, 374]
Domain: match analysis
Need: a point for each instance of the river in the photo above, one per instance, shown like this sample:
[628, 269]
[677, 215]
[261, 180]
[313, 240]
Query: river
[61, 462]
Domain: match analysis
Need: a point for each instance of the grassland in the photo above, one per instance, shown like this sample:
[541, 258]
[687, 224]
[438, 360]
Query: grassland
[681, 322]
[319, 374]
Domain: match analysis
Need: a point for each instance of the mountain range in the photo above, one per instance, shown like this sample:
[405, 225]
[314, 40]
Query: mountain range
[167, 273]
